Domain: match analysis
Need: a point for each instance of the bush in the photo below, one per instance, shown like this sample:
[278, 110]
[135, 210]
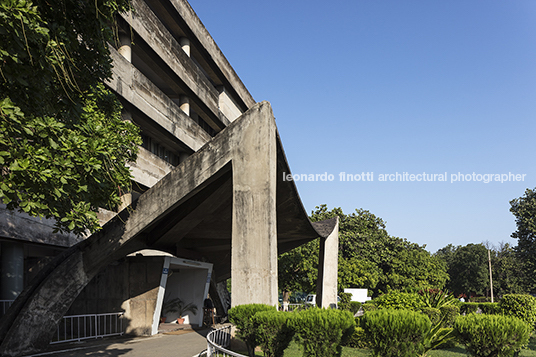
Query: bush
[492, 335]
[400, 301]
[344, 302]
[436, 298]
[468, 308]
[273, 331]
[242, 317]
[489, 308]
[369, 306]
[449, 314]
[357, 339]
[520, 306]
[322, 332]
[354, 307]
[433, 314]
[396, 333]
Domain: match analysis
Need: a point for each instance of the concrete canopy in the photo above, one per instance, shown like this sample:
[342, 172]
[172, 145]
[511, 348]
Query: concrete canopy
[226, 204]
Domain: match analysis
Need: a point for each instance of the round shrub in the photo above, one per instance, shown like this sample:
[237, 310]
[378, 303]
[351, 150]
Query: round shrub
[242, 317]
[489, 308]
[273, 331]
[520, 306]
[369, 306]
[322, 331]
[400, 301]
[492, 335]
[396, 333]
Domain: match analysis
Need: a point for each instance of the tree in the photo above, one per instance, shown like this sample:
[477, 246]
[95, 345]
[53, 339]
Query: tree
[368, 258]
[63, 145]
[468, 269]
[524, 210]
[507, 271]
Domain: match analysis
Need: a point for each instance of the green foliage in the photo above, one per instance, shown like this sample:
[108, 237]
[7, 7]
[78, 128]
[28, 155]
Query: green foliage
[322, 332]
[369, 306]
[524, 210]
[433, 314]
[520, 306]
[449, 313]
[358, 338]
[63, 146]
[242, 317]
[507, 270]
[467, 267]
[355, 306]
[492, 335]
[396, 333]
[344, 302]
[274, 333]
[489, 308]
[399, 301]
[469, 307]
[436, 298]
[368, 258]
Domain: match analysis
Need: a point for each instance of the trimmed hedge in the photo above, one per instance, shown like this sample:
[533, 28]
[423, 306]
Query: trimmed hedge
[396, 333]
[242, 317]
[274, 332]
[357, 339]
[322, 331]
[433, 314]
[468, 308]
[520, 306]
[492, 335]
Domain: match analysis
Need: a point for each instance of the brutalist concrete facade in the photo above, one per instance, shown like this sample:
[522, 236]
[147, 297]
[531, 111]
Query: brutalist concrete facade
[207, 187]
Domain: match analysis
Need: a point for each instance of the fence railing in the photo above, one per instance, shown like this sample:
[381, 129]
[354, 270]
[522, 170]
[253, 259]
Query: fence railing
[4, 305]
[81, 327]
[218, 340]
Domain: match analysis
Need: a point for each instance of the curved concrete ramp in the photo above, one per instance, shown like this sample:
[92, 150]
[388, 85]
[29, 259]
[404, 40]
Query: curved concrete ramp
[226, 204]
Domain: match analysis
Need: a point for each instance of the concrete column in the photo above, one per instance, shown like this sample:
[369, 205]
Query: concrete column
[12, 279]
[125, 49]
[254, 222]
[184, 104]
[185, 44]
[326, 286]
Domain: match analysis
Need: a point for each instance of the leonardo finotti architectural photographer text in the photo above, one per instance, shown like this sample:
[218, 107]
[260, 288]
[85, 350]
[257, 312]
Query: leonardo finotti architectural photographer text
[406, 177]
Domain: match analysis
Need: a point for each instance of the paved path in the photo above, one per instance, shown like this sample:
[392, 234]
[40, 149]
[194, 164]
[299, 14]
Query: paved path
[184, 345]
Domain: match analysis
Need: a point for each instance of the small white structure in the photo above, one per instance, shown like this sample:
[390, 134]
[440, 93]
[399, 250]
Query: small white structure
[360, 295]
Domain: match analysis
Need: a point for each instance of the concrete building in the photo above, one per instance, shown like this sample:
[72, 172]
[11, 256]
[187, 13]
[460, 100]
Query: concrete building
[208, 200]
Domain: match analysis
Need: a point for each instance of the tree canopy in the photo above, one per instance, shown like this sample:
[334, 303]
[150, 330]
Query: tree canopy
[63, 145]
[368, 258]
[524, 210]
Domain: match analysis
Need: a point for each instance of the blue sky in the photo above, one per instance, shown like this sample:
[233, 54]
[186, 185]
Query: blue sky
[386, 86]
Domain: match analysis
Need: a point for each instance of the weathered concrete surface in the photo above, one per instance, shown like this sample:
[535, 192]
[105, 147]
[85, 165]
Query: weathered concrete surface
[149, 168]
[254, 227]
[129, 83]
[225, 192]
[326, 286]
[203, 47]
[36, 230]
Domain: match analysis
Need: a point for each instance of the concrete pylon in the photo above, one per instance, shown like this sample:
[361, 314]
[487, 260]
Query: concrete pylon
[254, 228]
[328, 260]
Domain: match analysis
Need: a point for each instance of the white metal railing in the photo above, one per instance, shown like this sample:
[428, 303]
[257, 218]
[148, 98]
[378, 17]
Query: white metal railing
[4, 305]
[217, 340]
[81, 327]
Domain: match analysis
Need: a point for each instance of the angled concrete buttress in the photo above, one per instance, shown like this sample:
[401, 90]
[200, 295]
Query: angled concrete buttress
[227, 204]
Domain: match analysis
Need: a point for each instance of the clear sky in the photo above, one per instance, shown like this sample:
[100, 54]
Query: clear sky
[387, 86]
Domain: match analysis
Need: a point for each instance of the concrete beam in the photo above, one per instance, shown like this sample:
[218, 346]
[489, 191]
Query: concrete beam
[140, 92]
[328, 260]
[205, 44]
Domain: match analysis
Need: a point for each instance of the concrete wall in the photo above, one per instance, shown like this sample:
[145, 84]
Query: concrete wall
[130, 286]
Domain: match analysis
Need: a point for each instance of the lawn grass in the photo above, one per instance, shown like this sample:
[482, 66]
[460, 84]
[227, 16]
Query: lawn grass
[294, 350]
